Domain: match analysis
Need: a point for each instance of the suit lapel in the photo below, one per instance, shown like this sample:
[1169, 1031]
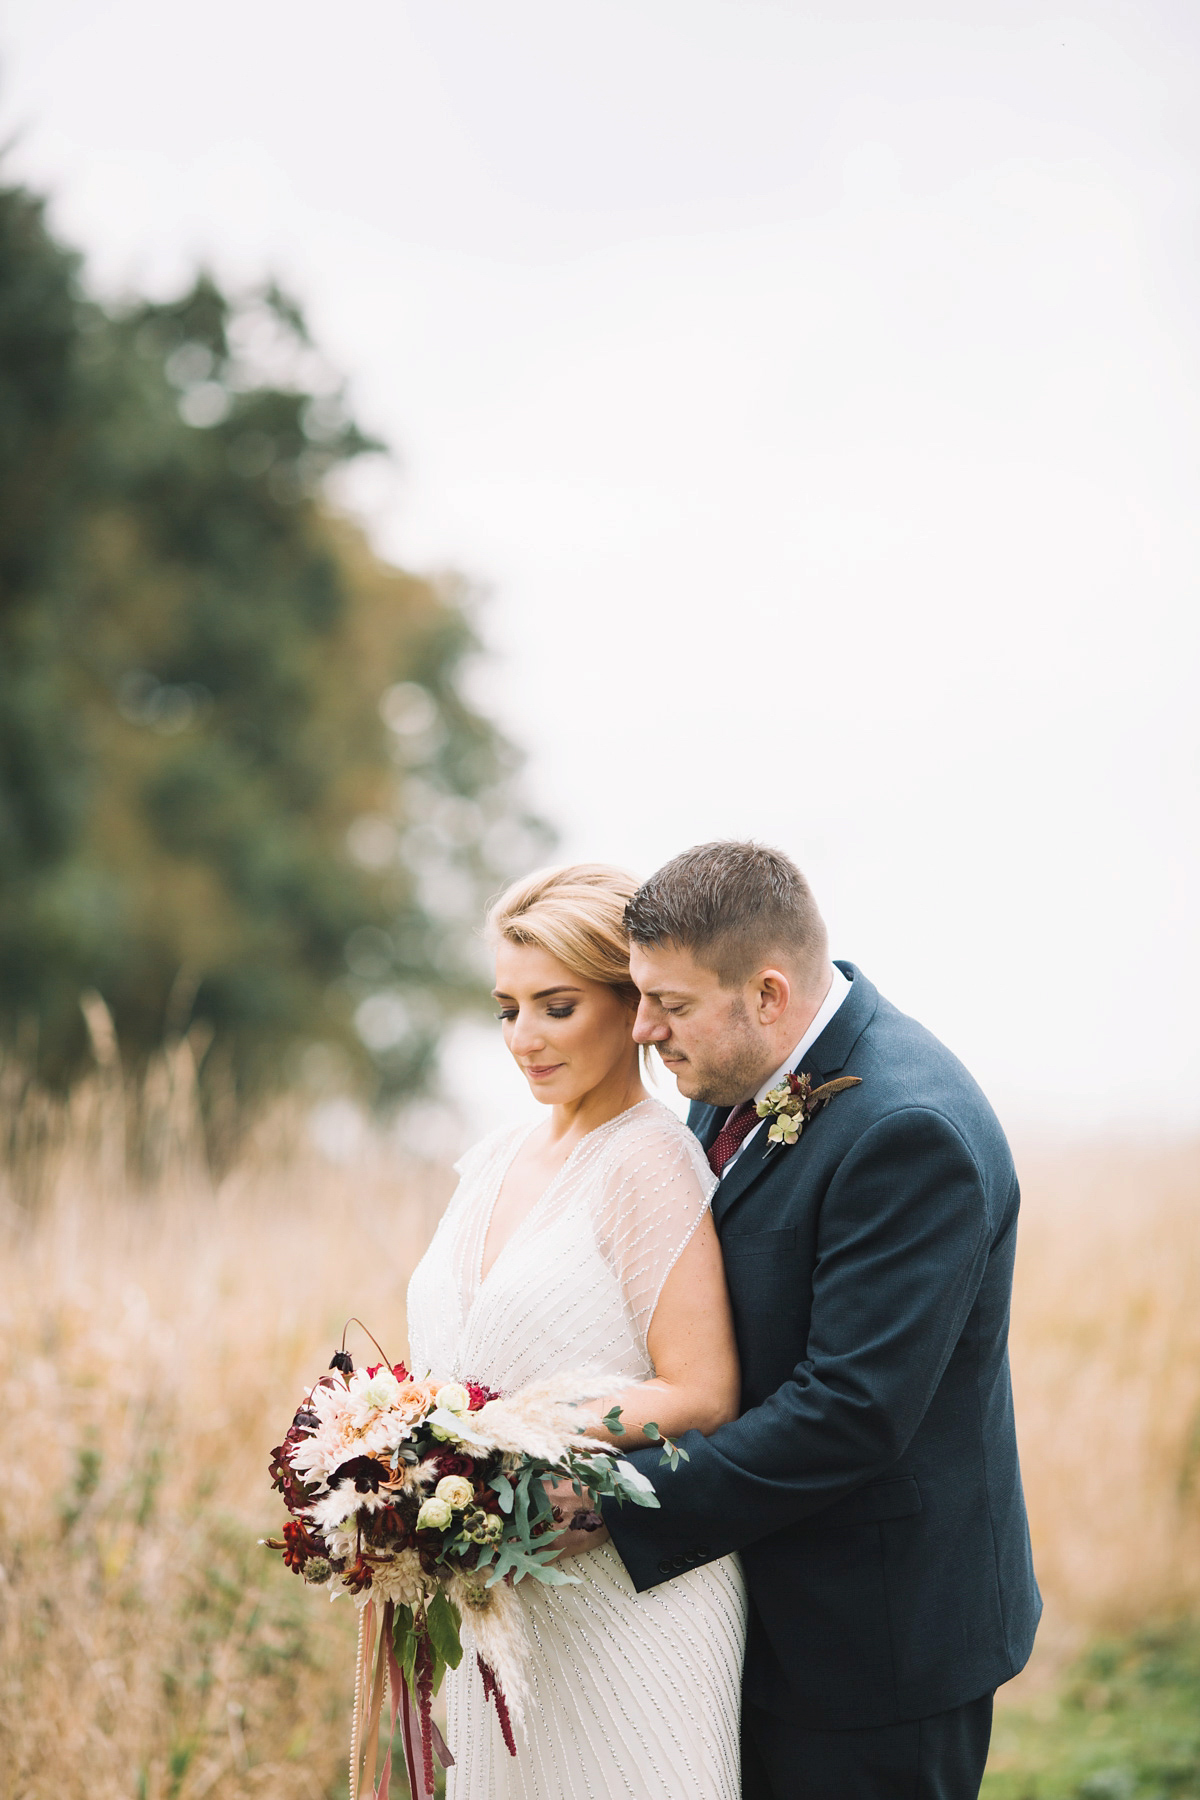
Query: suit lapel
[821, 1060]
[746, 1170]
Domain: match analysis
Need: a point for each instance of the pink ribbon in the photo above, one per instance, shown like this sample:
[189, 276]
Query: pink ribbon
[401, 1702]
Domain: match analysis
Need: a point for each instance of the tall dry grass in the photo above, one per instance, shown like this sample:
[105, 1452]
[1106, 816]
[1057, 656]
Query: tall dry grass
[1106, 1372]
[153, 1342]
[153, 1345]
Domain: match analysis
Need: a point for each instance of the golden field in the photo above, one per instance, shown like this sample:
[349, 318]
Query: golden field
[154, 1342]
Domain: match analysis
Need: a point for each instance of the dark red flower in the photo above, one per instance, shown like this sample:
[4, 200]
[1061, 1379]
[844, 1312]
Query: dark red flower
[364, 1471]
[389, 1527]
[453, 1462]
[299, 1544]
[400, 1372]
[479, 1395]
[494, 1692]
[358, 1576]
[296, 1493]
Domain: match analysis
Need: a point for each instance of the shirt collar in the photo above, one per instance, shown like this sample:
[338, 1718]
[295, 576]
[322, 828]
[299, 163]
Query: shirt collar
[839, 987]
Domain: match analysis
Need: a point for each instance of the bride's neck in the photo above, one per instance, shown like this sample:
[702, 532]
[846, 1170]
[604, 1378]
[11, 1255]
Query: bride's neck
[620, 1089]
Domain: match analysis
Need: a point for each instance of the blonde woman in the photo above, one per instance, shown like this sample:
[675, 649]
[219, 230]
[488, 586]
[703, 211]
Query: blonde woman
[585, 1240]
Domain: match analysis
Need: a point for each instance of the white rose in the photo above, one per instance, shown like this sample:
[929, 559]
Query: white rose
[455, 1490]
[453, 1397]
[434, 1515]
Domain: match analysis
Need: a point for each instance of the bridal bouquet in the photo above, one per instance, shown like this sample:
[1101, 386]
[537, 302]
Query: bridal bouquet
[424, 1500]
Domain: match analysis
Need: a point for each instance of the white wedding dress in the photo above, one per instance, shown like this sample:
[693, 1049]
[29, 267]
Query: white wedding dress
[632, 1695]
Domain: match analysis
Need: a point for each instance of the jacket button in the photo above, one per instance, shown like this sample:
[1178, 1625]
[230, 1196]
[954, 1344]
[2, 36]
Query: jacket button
[666, 1568]
[702, 1554]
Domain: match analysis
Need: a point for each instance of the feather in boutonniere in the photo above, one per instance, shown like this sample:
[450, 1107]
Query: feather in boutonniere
[790, 1105]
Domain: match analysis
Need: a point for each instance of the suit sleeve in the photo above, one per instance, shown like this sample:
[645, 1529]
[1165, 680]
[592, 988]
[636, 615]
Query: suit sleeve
[902, 1244]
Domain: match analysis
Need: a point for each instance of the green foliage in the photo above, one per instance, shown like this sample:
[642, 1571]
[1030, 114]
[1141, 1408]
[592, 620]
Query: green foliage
[239, 781]
[672, 1453]
[1126, 1726]
[440, 1625]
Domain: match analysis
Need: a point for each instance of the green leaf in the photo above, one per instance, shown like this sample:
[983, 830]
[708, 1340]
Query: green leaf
[405, 1639]
[515, 1560]
[402, 1631]
[443, 1621]
[502, 1486]
[612, 1421]
[650, 1430]
[522, 1507]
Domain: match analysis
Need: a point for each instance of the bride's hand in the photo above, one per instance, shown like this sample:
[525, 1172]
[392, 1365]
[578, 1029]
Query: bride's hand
[576, 1538]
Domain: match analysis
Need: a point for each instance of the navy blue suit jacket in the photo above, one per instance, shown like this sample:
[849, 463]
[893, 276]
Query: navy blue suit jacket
[871, 1482]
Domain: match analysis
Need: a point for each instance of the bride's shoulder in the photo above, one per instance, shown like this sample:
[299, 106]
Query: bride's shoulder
[496, 1143]
[651, 1129]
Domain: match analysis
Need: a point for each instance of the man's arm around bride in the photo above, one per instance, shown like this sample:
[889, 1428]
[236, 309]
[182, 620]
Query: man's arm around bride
[871, 1481]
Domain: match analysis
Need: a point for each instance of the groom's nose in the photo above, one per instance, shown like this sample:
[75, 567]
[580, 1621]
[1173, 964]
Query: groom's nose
[650, 1027]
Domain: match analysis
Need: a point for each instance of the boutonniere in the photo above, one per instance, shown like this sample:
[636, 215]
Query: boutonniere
[790, 1105]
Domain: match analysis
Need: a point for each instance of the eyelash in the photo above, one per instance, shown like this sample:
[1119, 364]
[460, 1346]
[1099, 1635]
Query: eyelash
[554, 1012]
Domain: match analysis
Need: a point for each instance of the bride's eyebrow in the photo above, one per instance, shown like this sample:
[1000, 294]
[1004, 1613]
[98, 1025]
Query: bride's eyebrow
[542, 994]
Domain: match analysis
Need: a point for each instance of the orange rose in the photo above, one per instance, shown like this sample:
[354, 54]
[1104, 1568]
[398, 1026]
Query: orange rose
[413, 1401]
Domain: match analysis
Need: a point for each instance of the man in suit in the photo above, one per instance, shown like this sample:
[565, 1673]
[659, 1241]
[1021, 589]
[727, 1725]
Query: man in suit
[871, 1482]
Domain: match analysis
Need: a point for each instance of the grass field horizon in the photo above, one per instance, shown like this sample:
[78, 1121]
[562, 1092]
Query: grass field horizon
[153, 1344]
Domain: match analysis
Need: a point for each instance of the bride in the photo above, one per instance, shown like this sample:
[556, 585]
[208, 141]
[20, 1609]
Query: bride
[585, 1241]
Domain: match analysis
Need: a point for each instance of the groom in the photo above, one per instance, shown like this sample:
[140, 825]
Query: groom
[871, 1482]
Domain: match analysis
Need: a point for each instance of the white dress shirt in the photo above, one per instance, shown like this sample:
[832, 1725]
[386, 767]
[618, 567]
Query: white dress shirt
[839, 987]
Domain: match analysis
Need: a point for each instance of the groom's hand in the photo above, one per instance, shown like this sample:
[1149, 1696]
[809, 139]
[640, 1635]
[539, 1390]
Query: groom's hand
[570, 1511]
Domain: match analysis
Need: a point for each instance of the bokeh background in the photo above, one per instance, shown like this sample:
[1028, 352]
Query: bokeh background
[438, 438]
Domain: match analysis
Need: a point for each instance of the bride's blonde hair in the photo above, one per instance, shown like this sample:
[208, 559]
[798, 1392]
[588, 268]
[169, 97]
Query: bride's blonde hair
[577, 914]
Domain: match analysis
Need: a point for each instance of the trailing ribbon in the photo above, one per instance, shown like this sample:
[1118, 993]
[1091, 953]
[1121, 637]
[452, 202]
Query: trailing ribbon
[421, 1738]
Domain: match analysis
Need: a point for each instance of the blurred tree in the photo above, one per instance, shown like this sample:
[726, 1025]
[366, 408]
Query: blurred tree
[239, 780]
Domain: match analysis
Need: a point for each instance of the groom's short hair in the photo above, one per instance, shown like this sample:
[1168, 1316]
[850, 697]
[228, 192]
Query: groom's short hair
[736, 908]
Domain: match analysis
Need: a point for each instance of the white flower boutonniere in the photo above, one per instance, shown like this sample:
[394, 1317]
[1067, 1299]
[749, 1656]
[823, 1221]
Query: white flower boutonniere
[790, 1105]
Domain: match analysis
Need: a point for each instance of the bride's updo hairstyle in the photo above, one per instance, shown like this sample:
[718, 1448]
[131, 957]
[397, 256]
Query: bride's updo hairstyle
[575, 914]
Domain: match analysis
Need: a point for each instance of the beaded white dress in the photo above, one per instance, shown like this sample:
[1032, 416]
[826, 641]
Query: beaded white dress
[631, 1695]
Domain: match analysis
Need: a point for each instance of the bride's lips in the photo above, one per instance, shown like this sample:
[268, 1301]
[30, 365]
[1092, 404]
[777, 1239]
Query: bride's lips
[540, 1072]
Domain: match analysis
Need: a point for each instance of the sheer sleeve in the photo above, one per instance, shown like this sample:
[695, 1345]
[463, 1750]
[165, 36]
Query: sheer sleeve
[657, 1189]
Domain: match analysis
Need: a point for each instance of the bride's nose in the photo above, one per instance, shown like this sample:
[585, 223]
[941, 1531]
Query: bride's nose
[526, 1036]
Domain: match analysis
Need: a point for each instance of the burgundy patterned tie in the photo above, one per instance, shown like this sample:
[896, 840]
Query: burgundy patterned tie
[737, 1126]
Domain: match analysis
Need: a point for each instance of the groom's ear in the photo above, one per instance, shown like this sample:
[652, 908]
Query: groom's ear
[772, 992]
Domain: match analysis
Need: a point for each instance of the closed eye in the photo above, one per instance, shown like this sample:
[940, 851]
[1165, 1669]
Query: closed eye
[508, 1013]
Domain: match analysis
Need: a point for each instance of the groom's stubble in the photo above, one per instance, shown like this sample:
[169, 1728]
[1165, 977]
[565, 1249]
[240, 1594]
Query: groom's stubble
[726, 1071]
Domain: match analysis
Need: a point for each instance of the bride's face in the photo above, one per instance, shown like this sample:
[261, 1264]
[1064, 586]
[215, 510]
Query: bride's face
[566, 1034]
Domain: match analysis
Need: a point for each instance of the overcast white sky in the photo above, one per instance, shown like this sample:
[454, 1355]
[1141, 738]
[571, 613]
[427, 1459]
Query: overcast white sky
[814, 389]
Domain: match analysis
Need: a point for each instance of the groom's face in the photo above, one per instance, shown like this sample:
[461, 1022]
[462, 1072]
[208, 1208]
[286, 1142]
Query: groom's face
[707, 1035]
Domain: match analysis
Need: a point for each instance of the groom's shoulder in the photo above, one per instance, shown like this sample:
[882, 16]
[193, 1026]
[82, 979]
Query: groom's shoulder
[904, 1066]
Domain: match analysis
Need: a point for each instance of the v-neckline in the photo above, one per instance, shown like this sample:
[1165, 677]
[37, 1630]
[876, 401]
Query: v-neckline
[480, 1278]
